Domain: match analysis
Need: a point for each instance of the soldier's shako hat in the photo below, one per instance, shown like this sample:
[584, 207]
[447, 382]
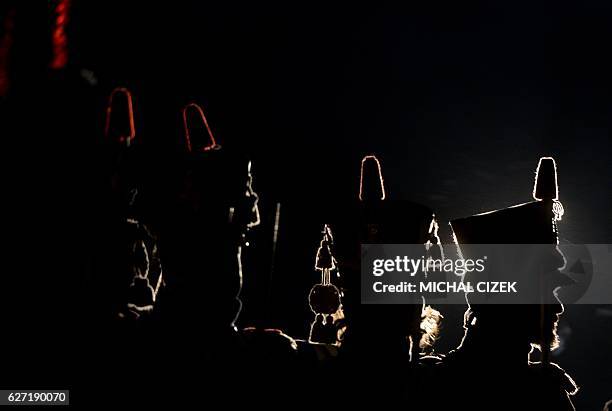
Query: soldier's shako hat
[377, 218]
[528, 223]
[208, 208]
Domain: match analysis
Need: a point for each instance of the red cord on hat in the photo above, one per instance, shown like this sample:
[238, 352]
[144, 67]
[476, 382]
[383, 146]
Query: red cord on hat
[109, 110]
[213, 143]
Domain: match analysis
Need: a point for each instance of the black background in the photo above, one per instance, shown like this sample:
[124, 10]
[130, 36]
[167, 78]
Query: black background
[459, 101]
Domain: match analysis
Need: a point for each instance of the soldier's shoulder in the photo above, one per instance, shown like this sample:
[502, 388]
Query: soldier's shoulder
[555, 375]
[269, 341]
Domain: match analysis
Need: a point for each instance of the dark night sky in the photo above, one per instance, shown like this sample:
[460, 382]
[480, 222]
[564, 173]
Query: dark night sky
[459, 101]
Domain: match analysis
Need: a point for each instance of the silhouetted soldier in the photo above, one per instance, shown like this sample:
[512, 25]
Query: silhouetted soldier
[491, 368]
[205, 234]
[380, 340]
[122, 243]
[377, 219]
[126, 274]
[210, 208]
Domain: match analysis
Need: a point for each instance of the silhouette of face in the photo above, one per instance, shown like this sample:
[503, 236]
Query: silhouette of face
[534, 322]
[542, 325]
[542, 320]
[212, 211]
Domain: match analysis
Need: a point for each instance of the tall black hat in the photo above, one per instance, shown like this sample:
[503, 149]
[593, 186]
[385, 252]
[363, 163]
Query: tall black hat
[533, 222]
